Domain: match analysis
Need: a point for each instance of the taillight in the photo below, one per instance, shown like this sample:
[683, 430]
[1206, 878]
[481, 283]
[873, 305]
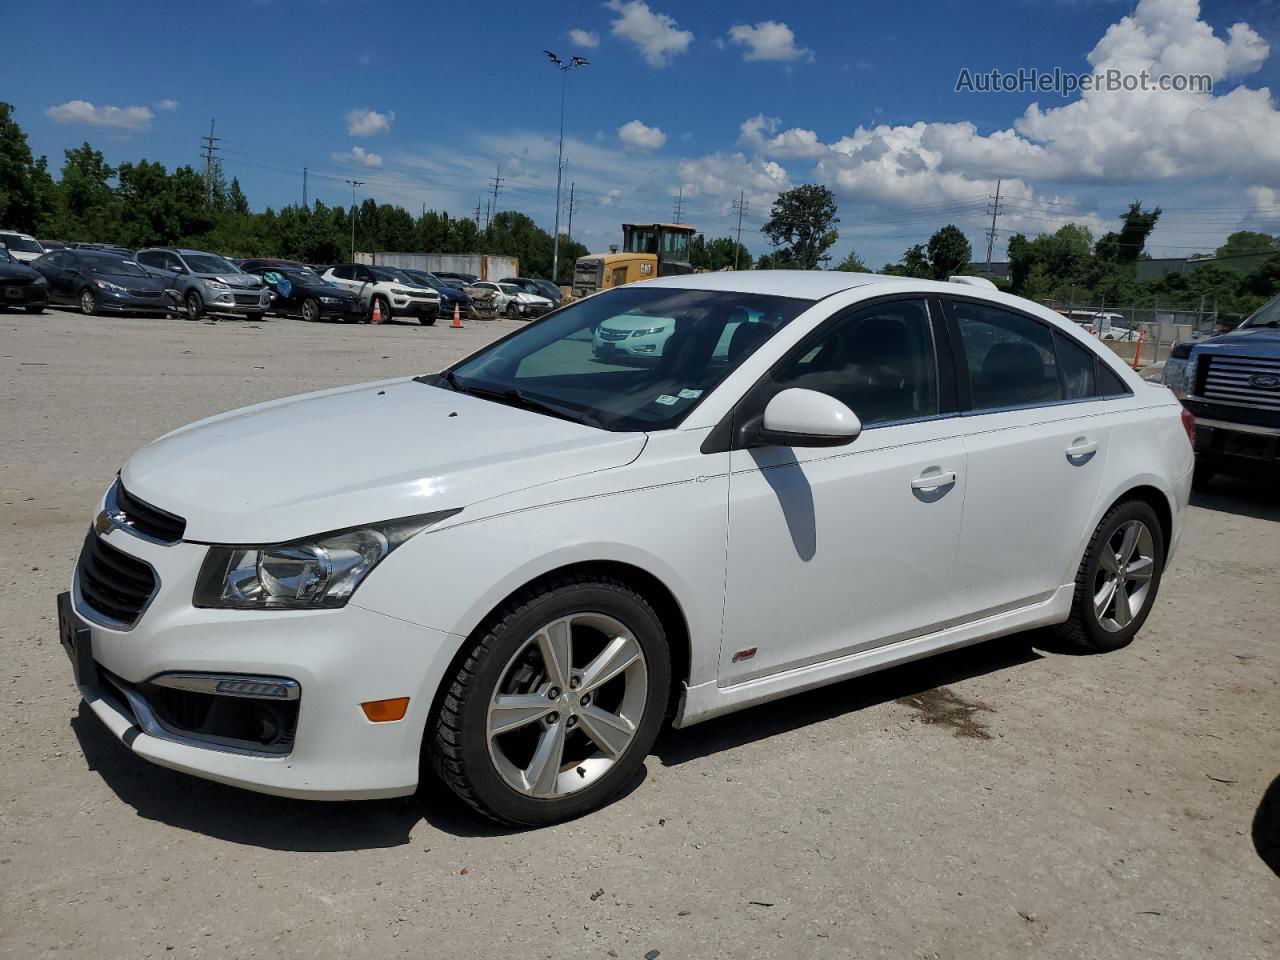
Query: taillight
[1189, 425]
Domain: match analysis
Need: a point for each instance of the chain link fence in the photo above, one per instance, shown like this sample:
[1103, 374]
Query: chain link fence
[1157, 328]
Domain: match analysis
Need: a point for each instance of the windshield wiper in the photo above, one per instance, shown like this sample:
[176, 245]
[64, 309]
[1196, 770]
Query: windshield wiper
[512, 398]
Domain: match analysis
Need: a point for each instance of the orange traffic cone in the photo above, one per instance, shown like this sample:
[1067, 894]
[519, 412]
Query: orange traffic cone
[377, 310]
[457, 319]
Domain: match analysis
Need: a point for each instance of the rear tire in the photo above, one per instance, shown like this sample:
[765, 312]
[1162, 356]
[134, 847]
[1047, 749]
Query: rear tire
[1118, 579]
[34, 310]
[590, 624]
[255, 317]
[427, 321]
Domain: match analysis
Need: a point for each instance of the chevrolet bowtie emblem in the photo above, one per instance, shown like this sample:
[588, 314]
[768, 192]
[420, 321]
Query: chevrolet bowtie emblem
[109, 520]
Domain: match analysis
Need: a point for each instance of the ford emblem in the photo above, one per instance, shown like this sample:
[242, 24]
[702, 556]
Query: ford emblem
[1265, 381]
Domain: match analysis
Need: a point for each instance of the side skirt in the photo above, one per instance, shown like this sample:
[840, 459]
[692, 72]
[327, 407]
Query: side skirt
[707, 700]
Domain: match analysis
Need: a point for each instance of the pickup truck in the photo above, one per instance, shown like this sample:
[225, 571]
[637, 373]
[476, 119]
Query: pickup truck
[1231, 385]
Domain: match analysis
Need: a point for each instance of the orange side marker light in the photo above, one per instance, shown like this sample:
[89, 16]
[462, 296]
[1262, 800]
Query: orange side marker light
[386, 711]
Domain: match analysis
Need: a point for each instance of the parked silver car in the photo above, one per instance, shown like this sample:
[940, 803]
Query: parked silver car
[203, 283]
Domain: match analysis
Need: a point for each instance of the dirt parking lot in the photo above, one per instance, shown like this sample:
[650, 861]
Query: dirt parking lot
[1007, 800]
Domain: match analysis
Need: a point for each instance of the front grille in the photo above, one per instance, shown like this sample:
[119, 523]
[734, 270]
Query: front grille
[148, 520]
[113, 584]
[614, 334]
[248, 299]
[1253, 381]
[15, 282]
[145, 294]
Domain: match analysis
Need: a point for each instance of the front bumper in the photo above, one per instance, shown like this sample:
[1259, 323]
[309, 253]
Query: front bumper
[239, 304]
[411, 307]
[1226, 444]
[339, 658]
[127, 303]
[23, 295]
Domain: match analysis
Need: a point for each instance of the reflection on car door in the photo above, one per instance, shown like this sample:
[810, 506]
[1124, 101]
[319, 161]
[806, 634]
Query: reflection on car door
[1037, 446]
[838, 549]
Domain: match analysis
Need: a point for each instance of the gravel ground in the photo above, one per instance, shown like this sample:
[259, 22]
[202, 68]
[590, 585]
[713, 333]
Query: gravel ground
[1007, 800]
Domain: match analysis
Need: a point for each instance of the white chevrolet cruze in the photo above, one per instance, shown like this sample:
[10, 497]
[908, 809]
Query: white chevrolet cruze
[513, 570]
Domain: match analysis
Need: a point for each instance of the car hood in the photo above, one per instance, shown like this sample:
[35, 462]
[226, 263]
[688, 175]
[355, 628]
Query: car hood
[530, 298]
[232, 279]
[1249, 341]
[318, 290]
[17, 271]
[133, 282]
[630, 322]
[356, 455]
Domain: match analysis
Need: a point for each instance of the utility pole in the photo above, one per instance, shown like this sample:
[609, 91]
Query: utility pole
[568, 237]
[209, 150]
[304, 188]
[741, 205]
[496, 182]
[354, 184]
[678, 212]
[564, 68]
[488, 214]
[478, 198]
[991, 234]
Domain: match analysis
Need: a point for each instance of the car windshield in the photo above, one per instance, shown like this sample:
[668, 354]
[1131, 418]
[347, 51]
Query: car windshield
[208, 263]
[391, 273]
[509, 288]
[628, 359]
[21, 244]
[114, 267]
[304, 276]
[1267, 315]
[547, 288]
[423, 279]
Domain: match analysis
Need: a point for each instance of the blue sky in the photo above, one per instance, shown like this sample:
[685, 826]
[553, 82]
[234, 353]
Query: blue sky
[422, 101]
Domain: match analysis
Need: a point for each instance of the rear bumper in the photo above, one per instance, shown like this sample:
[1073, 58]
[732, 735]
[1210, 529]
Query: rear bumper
[24, 295]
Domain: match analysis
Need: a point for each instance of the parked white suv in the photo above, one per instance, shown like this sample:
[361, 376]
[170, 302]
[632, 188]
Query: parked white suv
[386, 292]
[514, 569]
[23, 246]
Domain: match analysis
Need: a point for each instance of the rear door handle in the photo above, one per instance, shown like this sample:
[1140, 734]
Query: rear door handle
[1081, 451]
[930, 482]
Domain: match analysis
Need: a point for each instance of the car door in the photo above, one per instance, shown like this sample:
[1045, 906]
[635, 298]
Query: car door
[51, 267]
[833, 550]
[1037, 440]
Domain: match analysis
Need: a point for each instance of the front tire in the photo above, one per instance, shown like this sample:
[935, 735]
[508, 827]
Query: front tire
[513, 312]
[88, 302]
[555, 706]
[194, 305]
[311, 309]
[1118, 579]
[383, 310]
[427, 321]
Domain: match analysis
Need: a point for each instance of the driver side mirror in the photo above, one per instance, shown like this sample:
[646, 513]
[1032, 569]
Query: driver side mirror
[797, 417]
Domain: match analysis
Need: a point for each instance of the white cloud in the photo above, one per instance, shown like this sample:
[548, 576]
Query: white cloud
[720, 176]
[768, 40]
[610, 198]
[656, 35]
[361, 156]
[82, 111]
[366, 122]
[636, 136]
[585, 38]
[166, 104]
[758, 132]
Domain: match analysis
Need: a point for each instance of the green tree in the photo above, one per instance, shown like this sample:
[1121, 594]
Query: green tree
[1248, 241]
[237, 202]
[1127, 245]
[87, 207]
[24, 203]
[802, 223]
[852, 263]
[914, 263]
[718, 254]
[949, 252]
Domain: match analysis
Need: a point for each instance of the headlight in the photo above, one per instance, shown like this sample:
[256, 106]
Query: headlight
[317, 573]
[216, 285]
[113, 287]
[1180, 370]
[648, 331]
[330, 300]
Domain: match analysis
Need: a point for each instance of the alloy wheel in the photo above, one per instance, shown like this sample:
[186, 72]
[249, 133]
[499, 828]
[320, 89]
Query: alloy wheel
[1122, 584]
[567, 705]
[88, 304]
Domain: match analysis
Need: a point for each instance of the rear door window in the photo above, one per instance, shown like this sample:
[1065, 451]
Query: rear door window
[1010, 357]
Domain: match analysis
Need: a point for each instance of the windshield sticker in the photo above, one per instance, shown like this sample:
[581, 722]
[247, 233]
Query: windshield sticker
[667, 400]
[687, 394]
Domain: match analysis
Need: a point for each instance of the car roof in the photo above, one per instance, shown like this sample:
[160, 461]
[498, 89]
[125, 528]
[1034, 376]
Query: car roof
[805, 284]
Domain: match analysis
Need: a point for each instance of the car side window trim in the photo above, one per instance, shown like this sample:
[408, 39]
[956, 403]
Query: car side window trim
[726, 435]
[961, 366]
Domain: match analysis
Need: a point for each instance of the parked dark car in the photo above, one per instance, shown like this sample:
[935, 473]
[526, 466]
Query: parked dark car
[21, 286]
[1231, 385]
[457, 279]
[100, 282]
[539, 288]
[450, 295]
[101, 247]
[298, 291]
[52, 245]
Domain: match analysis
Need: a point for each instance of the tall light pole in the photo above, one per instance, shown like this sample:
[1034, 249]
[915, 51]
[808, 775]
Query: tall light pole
[354, 184]
[564, 68]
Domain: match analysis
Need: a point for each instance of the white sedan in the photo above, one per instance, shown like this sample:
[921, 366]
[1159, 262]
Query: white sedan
[514, 570]
[514, 302]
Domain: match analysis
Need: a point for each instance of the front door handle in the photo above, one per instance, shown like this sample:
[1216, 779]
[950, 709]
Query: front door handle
[1081, 451]
[929, 482]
